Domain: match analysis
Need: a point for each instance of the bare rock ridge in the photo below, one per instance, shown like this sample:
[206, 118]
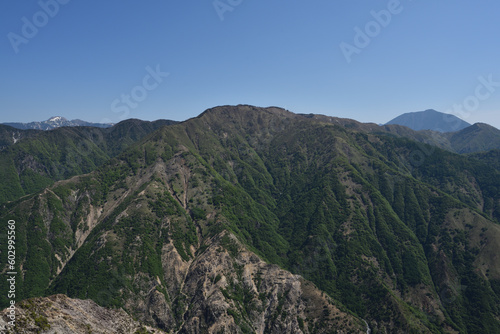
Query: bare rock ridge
[64, 315]
[230, 291]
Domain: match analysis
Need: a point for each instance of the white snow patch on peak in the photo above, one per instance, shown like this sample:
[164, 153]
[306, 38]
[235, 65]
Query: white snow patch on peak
[56, 119]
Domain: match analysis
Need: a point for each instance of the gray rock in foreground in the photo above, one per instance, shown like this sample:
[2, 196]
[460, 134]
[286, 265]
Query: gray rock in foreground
[61, 314]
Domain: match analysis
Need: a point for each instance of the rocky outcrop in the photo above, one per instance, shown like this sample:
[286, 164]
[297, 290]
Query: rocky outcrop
[229, 289]
[64, 315]
[225, 289]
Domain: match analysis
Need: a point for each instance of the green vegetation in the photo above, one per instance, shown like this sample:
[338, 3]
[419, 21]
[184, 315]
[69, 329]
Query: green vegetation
[43, 157]
[383, 225]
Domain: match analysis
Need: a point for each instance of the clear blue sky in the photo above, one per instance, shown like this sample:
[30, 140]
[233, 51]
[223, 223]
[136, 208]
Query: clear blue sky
[85, 60]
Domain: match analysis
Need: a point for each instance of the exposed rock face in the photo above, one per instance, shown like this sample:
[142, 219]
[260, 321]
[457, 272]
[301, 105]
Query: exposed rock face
[232, 290]
[64, 315]
[226, 289]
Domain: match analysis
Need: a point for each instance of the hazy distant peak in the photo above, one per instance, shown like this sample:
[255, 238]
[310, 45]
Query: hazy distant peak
[484, 126]
[55, 122]
[430, 119]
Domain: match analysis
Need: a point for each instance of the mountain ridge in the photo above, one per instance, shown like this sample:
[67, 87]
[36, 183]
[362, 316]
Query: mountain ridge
[35, 159]
[388, 238]
[55, 122]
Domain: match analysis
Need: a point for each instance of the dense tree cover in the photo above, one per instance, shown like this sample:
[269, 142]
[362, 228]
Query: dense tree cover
[396, 231]
[41, 157]
[492, 158]
[9, 135]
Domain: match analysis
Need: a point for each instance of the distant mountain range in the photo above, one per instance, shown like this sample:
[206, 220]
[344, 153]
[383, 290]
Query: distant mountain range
[55, 122]
[252, 220]
[421, 120]
[430, 120]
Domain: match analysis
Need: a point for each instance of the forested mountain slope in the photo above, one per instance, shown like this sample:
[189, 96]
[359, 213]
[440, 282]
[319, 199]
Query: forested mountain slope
[479, 137]
[32, 160]
[395, 232]
[10, 135]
